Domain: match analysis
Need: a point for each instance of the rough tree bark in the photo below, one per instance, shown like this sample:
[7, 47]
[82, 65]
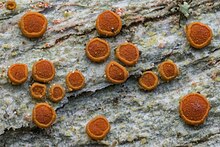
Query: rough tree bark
[137, 118]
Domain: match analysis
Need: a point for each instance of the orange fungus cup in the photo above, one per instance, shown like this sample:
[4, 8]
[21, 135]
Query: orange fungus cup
[43, 115]
[148, 81]
[75, 80]
[18, 73]
[97, 50]
[33, 24]
[116, 73]
[108, 24]
[57, 93]
[43, 71]
[98, 127]
[198, 34]
[127, 53]
[11, 5]
[168, 70]
[194, 108]
[38, 91]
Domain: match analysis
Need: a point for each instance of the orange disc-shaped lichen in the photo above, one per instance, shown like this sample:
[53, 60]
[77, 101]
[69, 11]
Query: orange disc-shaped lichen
[33, 24]
[11, 5]
[108, 23]
[57, 93]
[116, 73]
[168, 70]
[97, 50]
[43, 115]
[198, 34]
[75, 80]
[18, 73]
[38, 91]
[194, 108]
[43, 71]
[127, 53]
[98, 127]
[148, 81]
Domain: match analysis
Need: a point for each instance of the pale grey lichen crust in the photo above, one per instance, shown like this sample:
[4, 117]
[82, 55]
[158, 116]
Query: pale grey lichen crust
[137, 118]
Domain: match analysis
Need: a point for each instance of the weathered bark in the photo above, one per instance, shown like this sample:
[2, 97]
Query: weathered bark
[137, 117]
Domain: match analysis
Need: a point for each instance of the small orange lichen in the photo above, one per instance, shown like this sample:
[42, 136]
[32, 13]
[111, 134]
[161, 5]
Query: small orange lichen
[43, 71]
[168, 70]
[194, 108]
[38, 91]
[198, 34]
[11, 5]
[57, 93]
[33, 24]
[18, 73]
[75, 80]
[98, 127]
[148, 81]
[97, 50]
[43, 115]
[116, 73]
[127, 53]
[108, 23]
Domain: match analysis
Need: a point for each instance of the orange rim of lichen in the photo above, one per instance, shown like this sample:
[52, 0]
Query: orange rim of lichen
[14, 80]
[98, 59]
[193, 122]
[52, 98]
[105, 132]
[192, 43]
[144, 86]
[38, 97]
[124, 60]
[41, 125]
[70, 86]
[108, 33]
[163, 75]
[33, 34]
[108, 77]
[11, 5]
[40, 79]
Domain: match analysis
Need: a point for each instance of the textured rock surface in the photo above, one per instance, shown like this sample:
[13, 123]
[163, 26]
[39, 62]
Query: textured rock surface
[137, 117]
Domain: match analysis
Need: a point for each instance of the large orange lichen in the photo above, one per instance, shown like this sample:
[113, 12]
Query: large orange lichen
[11, 5]
[43, 115]
[108, 23]
[43, 71]
[194, 108]
[38, 91]
[33, 24]
[198, 34]
[148, 81]
[57, 93]
[168, 70]
[18, 73]
[75, 80]
[97, 50]
[127, 53]
[98, 127]
[116, 73]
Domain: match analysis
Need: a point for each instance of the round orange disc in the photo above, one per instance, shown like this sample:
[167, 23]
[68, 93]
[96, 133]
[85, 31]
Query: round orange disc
[116, 73]
[43, 71]
[194, 108]
[98, 127]
[108, 23]
[198, 34]
[97, 50]
[43, 115]
[33, 24]
[18, 73]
